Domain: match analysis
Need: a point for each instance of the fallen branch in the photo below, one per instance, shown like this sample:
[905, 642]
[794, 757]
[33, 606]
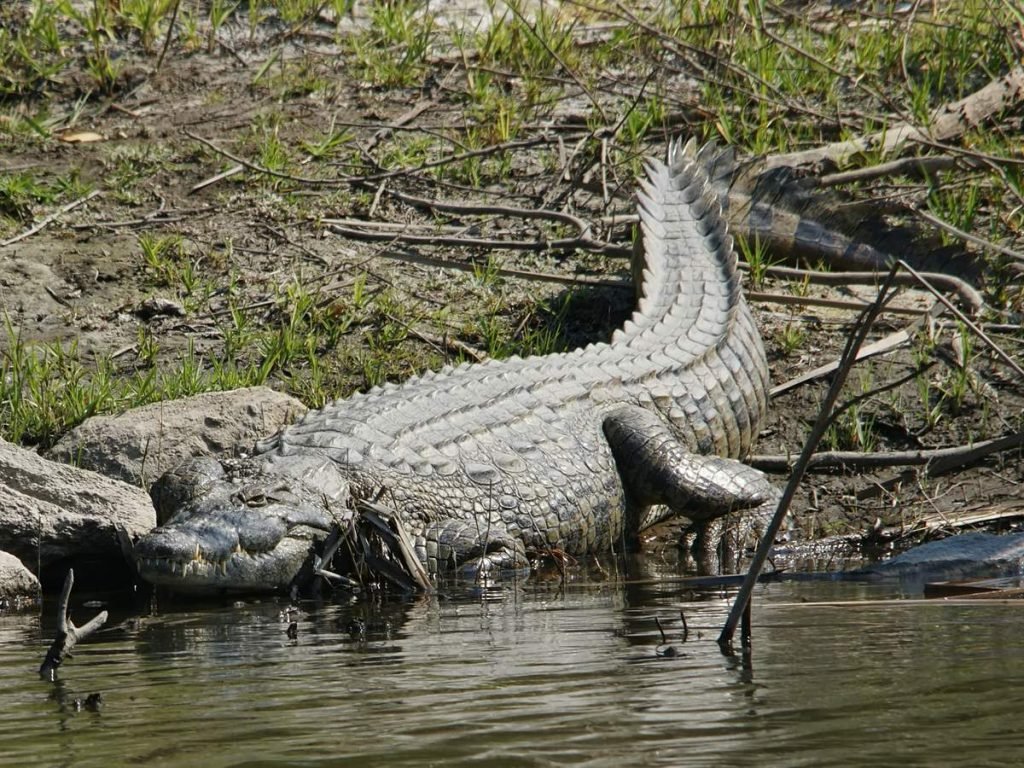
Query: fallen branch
[626, 284]
[377, 549]
[405, 569]
[51, 218]
[967, 237]
[232, 171]
[68, 635]
[948, 121]
[167, 39]
[936, 460]
[902, 166]
[963, 318]
[785, 299]
[889, 343]
[983, 514]
[443, 344]
[558, 244]
[969, 296]
[340, 181]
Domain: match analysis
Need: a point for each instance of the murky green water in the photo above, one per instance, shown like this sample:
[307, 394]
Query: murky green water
[534, 676]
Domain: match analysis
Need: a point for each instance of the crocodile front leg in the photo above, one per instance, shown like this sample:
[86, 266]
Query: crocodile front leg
[470, 549]
[657, 469]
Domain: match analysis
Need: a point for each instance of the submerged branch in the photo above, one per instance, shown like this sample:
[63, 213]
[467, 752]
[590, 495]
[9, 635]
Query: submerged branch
[68, 635]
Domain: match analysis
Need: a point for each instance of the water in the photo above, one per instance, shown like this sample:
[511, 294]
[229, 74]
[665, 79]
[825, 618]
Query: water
[529, 676]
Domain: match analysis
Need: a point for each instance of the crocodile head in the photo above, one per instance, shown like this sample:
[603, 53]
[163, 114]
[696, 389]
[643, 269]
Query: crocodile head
[247, 531]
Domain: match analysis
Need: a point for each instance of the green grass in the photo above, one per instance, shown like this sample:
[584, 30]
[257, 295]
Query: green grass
[46, 389]
[392, 52]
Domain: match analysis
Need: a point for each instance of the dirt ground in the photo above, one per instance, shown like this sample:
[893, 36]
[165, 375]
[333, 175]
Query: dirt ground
[249, 239]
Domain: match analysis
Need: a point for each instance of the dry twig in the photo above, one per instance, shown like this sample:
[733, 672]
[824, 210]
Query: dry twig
[964, 319]
[936, 460]
[969, 238]
[51, 218]
[740, 606]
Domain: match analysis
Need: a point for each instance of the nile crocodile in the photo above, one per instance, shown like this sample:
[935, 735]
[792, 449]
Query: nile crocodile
[491, 463]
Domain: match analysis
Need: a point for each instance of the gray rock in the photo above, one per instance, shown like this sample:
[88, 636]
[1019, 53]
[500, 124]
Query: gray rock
[15, 579]
[51, 512]
[138, 446]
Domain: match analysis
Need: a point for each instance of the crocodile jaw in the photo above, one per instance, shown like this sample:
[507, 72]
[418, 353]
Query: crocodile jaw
[234, 549]
[190, 568]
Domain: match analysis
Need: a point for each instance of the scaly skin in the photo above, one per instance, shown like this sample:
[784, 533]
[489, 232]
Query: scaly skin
[490, 463]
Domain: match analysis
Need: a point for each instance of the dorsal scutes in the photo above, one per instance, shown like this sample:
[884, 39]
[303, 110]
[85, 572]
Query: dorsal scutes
[689, 268]
[689, 297]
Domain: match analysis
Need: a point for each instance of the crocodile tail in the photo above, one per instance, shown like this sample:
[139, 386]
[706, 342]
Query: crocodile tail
[686, 270]
[785, 210]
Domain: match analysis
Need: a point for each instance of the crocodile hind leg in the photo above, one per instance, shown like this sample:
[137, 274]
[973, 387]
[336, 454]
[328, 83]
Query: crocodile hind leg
[657, 469]
[471, 550]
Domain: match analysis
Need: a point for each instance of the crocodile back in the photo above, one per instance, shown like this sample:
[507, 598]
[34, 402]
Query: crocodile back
[690, 352]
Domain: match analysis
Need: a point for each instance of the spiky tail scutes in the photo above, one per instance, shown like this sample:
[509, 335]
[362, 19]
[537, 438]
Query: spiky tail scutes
[688, 268]
[693, 324]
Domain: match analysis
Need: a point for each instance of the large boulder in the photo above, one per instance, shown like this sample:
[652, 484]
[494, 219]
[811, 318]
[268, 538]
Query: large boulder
[55, 514]
[138, 446]
[15, 579]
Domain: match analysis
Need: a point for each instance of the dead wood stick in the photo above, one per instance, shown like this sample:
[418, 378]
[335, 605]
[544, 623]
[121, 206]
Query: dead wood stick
[167, 39]
[373, 178]
[429, 101]
[444, 343]
[626, 284]
[232, 171]
[456, 158]
[967, 293]
[948, 121]
[557, 244]
[963, 318]
[890, 342]
[51, 218]
[969, 238]
[937, 460]
[68, 635]
[390, 525]
[259, 168]
[902, 166]
[582, 226]
[825, 417]
[814, 301]
[887, 344]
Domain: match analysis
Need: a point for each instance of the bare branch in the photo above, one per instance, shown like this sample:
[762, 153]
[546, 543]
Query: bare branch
[51, 218]
[948, 121]
[964, 319]
[68, 635]
[936, 460]
[826, 415]
[969, 238]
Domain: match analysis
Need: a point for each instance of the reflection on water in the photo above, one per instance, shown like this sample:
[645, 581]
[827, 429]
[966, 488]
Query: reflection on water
[534, 675]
